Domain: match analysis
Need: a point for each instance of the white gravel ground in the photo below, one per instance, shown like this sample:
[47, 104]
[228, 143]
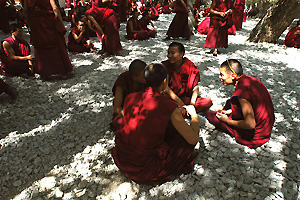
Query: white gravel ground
[55, 140]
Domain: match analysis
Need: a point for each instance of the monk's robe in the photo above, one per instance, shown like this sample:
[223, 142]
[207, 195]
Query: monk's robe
[47, 37]
[179, 26]
[4, 17]
[109, 23]
[3, 86]
[137, 27]
[251, 89]
[144, 22]
[183, 83]
[197, 4]
[97, 3]
[154, 15]
[206, 12]
[292, 40]
[15, 67]
[217, 36]
[238, 14]
[147, 148]
[122, 8]
[82, 45]
[128, 86]
[166, 9]
[203, 28]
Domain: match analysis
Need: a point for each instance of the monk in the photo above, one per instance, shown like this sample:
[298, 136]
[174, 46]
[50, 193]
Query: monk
[249, 114]
[11, 91]
[47, 37]
[179, 26]
[109, 36]
[183, 80]
[292, 39]
[78, 39]
[220, 21]
[238, 13]
[128, 82]
[134, 29]
[154, 142]
[145, 21]
[15, 54]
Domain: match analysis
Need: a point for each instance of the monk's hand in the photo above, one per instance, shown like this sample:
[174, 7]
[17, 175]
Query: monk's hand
[222, 117]
[30, 57]
[182, 110]
[191, 110]
[222, 14]
[226, 112]
[297, 32]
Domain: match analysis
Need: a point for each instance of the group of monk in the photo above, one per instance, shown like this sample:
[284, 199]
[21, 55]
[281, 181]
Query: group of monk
[153, 141]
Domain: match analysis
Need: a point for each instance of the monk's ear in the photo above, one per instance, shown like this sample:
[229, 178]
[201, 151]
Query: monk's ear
[233, 76]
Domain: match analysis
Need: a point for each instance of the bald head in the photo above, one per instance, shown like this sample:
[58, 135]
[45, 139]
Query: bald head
[155, 74]
[232, 66]
[136, 67]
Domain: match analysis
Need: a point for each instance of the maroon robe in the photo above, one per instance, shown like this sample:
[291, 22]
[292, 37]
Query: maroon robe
[47, 37]
[203, 27]
[144, 25]
[292, 40]
[217, 36]
[81, 46]
[238, 14]
[137, 27]
[126, 82]
[154, 15]
[3, 86]
[183, 83]
[109, 23]
[15, 67]
[147, 150]
[4, 17]
[179, 26]
[251, 89]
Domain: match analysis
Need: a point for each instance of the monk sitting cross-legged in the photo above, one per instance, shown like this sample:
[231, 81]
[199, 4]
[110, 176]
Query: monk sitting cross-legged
[154, 142]
[183, 80]
[128, 82]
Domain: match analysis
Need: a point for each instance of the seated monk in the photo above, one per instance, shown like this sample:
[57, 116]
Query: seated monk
[5, 88]
[292, 39]
[15, 54]
[183, 80]
[128, 82]
[78, 39]
[249, 114]
[134, 29]
[145, 21]
[154, 142]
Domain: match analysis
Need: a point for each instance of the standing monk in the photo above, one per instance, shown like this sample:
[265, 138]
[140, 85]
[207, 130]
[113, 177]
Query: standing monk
[109, 36]
[154, 142]
[249, 114]
[47, 37]
[238, 13]
[183, 80]
[220, 21]
[292, 39]
[15, 54]
[128, 82]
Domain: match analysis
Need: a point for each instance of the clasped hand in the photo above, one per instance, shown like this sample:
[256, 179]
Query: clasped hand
[222, 115]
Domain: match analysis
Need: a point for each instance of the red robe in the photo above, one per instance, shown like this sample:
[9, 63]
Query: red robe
[81, 46]
[217, 36]
[179, 26]
[15, 67]
[47, 37]
[183, 83]
[154, 15]
[251, 89]
[292, 40]
[137, 27]
[127, 84]
[4, 17]
[203, 27]
[108, 21]
[144, 24]
[146, 149]
[238, 14]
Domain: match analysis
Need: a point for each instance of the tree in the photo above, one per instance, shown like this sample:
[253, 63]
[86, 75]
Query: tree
[277, 18]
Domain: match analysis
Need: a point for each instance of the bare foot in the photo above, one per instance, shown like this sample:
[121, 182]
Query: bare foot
[12, 92]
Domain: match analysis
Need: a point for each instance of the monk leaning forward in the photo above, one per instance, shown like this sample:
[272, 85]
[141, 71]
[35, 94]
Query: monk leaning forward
[249, 114]
[154, 142]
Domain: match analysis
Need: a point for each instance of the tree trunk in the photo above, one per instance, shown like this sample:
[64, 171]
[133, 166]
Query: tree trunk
[276, 20]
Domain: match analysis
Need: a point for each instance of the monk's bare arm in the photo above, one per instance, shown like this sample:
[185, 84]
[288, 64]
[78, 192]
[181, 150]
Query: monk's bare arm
[189, 132]
[90, 17]
[170, 92]
[213, 11]
[56, 10]
[195, 95]
[118, 101]
[248, 113]
[12, 54]
[77, 38]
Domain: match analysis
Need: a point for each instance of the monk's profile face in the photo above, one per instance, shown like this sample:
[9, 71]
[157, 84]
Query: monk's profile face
[174, 55]
[18, 33]
[226, 77]
[140, 78]
[80, 26]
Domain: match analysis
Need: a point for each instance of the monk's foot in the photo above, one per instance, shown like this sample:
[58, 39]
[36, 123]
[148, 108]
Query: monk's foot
[64, 77]
[12, 92]
[215, 53]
